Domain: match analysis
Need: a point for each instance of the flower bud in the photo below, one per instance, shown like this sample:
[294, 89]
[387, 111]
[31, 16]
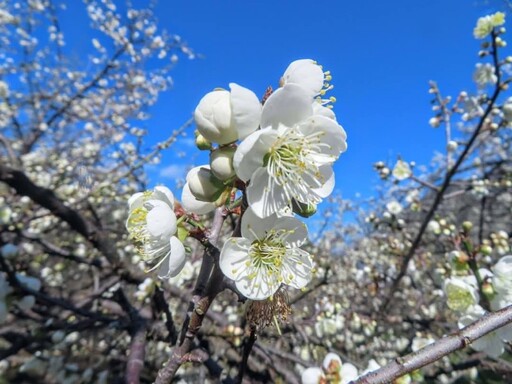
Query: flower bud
[434, 122]
[221, 163]
[467, 226]
[204, 185]
[202, 143]
[213, 117]
[223, 117]
[451, 146]
[303, 210]
[486, 250]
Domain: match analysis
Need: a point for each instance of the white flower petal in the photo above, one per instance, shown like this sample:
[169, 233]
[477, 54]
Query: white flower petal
[246, 110]
[296, 229]
[502, 279]
[328, 186]
[172, 265]
[319, 109]
[333, 138]
[287, 106]
[191, 204]
[311, 375]
[329, 359]
[233, 257]
[348, 373]
[163, 193]
[296, 268]
[161, 220]
[135, 201]
[260, 286]
[306, 73]
[264, 195]
[251, 152]
[254, 227]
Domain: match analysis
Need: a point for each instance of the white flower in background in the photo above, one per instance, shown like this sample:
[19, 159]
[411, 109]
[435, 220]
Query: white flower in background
[4, 89]
[485, 75]
[291, 157]
[452, 146]
[472, 109]
[313, 375]
[492, 343]
[152, 225]
[223, 117]
[267, 255]
[502, 283]
[394, 207]
[333, 371]
[402, 170]
[434, 227]
[145, 289]
[507, 111]
[485, 25]
[5, 215]
[461, 292]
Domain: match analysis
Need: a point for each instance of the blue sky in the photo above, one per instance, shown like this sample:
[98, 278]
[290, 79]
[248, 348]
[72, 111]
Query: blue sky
[381, 55]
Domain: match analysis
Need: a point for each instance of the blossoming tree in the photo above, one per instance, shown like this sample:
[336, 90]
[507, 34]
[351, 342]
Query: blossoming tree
[103, 280]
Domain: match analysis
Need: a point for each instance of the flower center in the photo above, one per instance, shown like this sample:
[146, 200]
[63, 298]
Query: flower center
[292, 163]
[267, 254]
[137, 225]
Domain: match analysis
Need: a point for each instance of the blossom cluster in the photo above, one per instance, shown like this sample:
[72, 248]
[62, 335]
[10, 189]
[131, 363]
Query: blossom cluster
[279, 154]
[463, 295]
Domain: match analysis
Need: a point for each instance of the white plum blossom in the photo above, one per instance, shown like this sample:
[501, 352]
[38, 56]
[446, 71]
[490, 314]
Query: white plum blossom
[472, 109]
[485, 25]
[502, 283]
[312, 375]
[152, 225]
[223, 117]
[402, 170]
[507, 111]
[333, 370]
[267, 255]
[461, 292]
[394, 207]
[492, 343]
[291, 157]
[485, 75]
